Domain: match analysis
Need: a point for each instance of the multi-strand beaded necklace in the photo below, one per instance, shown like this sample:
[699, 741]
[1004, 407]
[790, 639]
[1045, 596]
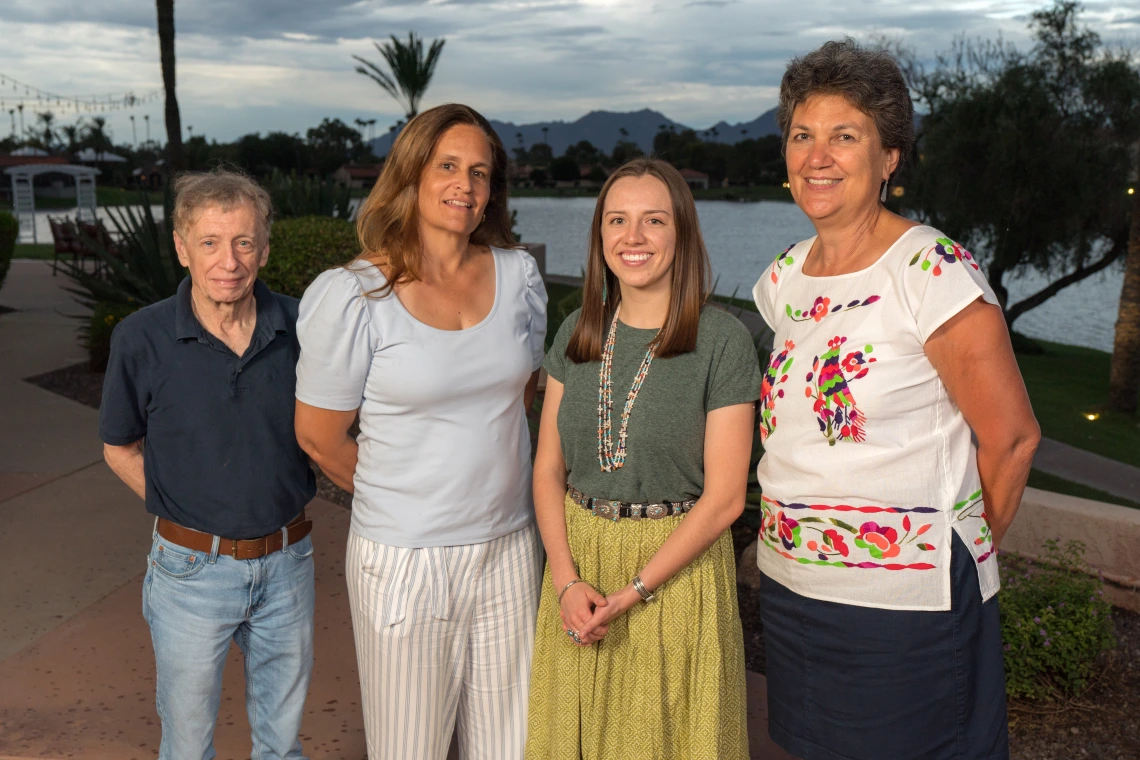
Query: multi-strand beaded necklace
[606, 456]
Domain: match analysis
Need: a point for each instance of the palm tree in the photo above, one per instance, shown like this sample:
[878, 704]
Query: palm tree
[411, 70]
[71, 132]
[1124, 377]
[174, 156]
[46, 131]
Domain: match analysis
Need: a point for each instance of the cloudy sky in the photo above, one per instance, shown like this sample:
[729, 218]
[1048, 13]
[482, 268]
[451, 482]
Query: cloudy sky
[262, 65]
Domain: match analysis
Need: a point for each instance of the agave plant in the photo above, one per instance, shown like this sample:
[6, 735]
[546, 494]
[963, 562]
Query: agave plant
[140, 268]
[305, 196]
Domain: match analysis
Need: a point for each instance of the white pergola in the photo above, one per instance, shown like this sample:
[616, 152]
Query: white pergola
[24, 197]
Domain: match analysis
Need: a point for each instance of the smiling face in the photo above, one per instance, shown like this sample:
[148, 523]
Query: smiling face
[639, 232]
[223, 249]
[456, 184]
[836, 160]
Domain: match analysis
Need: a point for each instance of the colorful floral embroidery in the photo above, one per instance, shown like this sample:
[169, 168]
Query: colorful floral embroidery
[827, 538]
[823, 308]
[783, 260]
[974, 507]
[838, 416]
[776, 374]
[945, 251]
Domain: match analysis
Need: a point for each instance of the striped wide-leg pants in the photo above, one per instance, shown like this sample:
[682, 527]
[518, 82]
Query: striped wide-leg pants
[444, 636]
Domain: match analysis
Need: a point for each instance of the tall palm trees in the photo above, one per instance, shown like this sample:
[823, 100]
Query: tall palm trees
[411, 69]
[174, 156]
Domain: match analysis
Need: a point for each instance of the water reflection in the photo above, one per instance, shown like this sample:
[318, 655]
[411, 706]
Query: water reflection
[743, 238]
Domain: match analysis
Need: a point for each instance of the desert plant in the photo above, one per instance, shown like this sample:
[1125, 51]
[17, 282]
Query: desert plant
[141, 268]
[1055, 623]
[295, 196]
[9, 232]
[302, 248]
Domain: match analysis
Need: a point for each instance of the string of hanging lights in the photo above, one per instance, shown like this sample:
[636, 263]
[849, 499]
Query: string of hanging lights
[15, 94]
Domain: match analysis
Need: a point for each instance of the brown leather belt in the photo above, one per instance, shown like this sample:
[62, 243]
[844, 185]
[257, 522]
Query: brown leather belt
[250, 548]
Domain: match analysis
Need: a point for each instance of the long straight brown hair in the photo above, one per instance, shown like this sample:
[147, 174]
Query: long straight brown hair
[601, 292]
[388, 221]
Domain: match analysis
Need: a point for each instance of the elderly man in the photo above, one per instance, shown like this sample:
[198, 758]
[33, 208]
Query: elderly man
[197, 418]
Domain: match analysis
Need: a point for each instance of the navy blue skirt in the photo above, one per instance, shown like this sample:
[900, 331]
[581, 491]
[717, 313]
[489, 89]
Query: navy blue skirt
[859, 683]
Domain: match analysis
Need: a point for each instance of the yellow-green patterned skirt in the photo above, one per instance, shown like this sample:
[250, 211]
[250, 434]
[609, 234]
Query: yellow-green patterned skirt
[667, 681]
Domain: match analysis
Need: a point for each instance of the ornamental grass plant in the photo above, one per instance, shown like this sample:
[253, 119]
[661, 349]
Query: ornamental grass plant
[1056, 625]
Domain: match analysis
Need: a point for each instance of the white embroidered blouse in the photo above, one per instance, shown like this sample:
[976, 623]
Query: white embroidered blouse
[868, 464]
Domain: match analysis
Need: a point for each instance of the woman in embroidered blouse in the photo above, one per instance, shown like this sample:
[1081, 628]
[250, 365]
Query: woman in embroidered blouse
[648, 416]
[881, 517]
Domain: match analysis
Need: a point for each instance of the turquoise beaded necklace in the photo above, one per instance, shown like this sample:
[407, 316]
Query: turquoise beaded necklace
[608, 460]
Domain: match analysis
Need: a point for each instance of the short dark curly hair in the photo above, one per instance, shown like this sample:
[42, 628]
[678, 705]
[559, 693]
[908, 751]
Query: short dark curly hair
[870, 79]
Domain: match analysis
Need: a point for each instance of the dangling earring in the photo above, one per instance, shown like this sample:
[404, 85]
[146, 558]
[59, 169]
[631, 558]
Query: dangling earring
[883, 192]
[604, 291]
[483, 219]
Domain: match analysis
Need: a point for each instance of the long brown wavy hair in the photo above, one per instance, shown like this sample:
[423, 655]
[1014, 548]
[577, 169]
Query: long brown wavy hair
[388, 221]
[601, 292]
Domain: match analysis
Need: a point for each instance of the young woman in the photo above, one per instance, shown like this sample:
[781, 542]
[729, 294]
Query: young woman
[648, 417]
[434, 336]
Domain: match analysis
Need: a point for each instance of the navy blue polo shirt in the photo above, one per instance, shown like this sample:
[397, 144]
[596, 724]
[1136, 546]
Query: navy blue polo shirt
[220, 454]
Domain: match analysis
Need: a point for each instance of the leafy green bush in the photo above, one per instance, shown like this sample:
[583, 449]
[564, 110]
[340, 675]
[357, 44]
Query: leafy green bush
[1055, 623]
[9, 232]
[104, 317]
[302, 248]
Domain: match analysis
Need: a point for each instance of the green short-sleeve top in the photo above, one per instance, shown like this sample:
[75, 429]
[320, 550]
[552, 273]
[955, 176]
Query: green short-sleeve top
[665, 445]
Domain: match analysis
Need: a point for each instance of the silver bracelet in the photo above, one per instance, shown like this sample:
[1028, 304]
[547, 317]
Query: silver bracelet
[639, 587]
[566, 588]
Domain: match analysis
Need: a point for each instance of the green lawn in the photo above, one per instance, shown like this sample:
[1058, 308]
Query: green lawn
[30, 251]
[1047, 482]
[1068, 382]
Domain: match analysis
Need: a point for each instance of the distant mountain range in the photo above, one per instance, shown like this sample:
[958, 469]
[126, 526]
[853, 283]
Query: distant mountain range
[603, 130]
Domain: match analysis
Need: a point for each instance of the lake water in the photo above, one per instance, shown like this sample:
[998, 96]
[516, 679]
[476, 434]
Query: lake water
[743, 238]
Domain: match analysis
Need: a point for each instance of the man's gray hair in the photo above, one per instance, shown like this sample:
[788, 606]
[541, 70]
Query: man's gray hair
[226, 188]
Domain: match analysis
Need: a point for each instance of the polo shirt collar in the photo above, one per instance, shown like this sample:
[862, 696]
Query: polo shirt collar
[270, 317]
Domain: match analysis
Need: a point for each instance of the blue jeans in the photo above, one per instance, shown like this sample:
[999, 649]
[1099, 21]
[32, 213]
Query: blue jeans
[195, 603]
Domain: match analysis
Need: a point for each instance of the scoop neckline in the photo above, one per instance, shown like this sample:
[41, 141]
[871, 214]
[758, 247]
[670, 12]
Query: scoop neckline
[864, 270]
[463, 331]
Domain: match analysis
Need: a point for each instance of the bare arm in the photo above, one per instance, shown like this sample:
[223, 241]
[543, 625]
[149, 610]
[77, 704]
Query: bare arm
[323, 434]
[577, 604]
[127, 463]
[728, 446]
[975, 360]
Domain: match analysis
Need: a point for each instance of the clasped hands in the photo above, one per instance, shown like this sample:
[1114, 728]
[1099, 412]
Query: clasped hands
[588, 614]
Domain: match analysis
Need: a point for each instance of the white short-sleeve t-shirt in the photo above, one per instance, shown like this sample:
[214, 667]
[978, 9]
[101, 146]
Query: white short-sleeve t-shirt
[868, 466]
[444, 456]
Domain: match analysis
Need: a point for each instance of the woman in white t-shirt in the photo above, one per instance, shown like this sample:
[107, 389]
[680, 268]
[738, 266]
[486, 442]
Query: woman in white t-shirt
[881, 517]
[434, 336]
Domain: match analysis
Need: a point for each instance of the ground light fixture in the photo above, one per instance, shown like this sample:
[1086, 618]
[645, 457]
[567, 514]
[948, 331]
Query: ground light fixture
[1092, 416]
[1131, 191]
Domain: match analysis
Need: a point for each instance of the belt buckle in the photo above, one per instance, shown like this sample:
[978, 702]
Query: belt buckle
[635, 511]
[655, 511]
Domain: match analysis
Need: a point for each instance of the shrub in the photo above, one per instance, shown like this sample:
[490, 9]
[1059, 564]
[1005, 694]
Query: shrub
[104, 317]
[1055, 623]
[9, 232]
[302, 248]
[295, 196]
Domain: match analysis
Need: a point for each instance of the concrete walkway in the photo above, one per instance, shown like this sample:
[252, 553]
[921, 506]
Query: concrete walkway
[76, 666]
[1088, 469]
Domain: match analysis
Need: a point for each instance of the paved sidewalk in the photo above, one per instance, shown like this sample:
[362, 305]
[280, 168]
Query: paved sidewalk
[76, 665]
[1088, 469]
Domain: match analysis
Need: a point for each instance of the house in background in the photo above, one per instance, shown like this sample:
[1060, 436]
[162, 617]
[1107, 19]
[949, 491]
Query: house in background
[695, 180]
[357, 177]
